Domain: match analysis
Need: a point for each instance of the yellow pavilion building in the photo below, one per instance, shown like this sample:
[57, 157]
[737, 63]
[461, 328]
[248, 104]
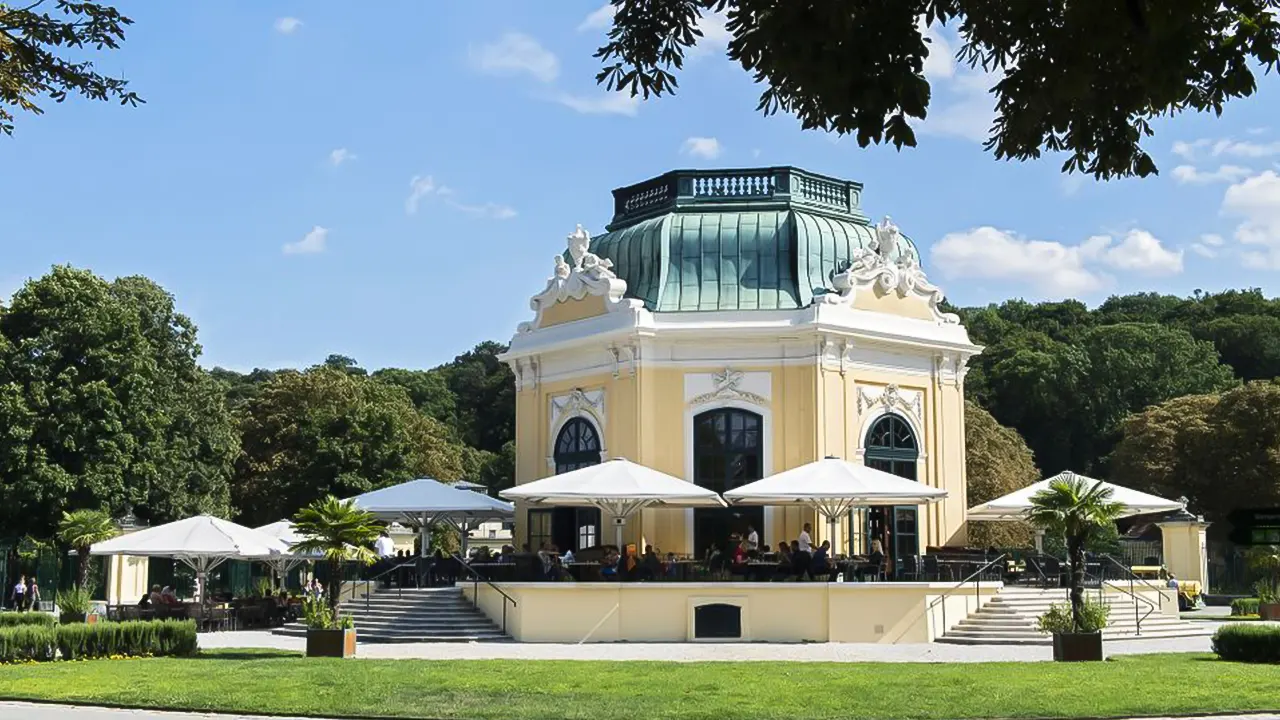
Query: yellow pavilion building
[731, 324]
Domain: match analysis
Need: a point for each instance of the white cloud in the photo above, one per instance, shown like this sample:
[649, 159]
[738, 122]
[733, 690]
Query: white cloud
[941, 62]
[599, 19]
[310, 244]
[1212, 240]
[715, 36]
[1189, 175]
[1204, 250]
[488, 210]
[707, 148]
[1207, 147]
[1049, 266]
[419, 188]
[989, 253]
[607, 103]
[514, 54]
[1138, 251]
[969, 110]
[1072, 182]
[423, 186]
[341, 155]
[1256, 201]
[287, 25]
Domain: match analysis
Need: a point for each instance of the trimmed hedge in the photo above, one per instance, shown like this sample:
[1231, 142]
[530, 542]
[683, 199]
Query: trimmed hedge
[12, 619]
[100, 640]
[1248, 642]
[1244, 606]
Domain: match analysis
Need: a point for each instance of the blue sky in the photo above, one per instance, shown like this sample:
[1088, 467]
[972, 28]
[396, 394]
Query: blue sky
[393, 185]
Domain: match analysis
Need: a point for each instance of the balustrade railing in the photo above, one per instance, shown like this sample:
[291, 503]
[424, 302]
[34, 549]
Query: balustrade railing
[778, 186]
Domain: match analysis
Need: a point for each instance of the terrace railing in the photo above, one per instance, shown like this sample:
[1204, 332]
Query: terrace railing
[976, 578]
[476, 579]
[769, 187]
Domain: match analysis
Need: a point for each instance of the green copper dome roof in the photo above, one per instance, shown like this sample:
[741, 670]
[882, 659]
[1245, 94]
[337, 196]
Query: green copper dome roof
[757, 239]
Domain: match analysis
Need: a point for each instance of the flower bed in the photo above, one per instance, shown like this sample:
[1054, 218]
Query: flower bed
[43, 643]
[1244, 606]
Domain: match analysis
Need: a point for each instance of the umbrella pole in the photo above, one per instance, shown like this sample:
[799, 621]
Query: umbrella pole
[1039, 541]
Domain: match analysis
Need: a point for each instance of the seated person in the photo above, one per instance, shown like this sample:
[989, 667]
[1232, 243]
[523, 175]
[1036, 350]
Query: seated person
[650, 565]
[820, 566]
[145, 602]
[670, 568]
[169, 597]
[800, 560]
[609, 565]
[874, 566]
[155, 597]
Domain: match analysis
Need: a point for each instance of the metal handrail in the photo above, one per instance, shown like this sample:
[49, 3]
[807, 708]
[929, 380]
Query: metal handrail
[976, 576]
[1137, 621]
[477, 578]
[399, 586]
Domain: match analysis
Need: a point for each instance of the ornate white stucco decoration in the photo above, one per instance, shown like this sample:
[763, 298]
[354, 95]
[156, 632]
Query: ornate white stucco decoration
[589, 274]
[577, 402]
[871, 267]
[891, 398]
[728, 384]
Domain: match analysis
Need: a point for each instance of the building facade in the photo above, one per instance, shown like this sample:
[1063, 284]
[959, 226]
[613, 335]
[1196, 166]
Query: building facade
[731, 324]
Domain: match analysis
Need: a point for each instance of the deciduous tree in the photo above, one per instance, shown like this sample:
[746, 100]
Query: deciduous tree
[997, 462]
[40, 45]
[1080, 77]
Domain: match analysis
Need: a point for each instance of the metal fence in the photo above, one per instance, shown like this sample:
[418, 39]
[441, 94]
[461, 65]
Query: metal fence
[1141, 552]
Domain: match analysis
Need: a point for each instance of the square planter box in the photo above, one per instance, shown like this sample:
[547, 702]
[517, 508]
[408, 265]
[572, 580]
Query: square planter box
[1077, 647]
[331, 643]
[1269, 611]
[69, 618]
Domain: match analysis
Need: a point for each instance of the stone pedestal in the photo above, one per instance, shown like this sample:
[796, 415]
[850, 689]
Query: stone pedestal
[1186, 553]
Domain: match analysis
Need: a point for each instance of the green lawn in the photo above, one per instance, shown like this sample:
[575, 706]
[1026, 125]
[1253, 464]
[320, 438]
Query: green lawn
[283, 683]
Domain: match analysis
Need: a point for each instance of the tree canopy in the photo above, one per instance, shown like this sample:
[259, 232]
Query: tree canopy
[997, 462]
[1080, 77]
[1220, 451]
[103, 405]
[32, 44]
[329, 431]
[1065, 377]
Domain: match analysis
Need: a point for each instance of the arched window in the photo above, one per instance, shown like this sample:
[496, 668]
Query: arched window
[577, 446]
[728, 451]
[892, 447]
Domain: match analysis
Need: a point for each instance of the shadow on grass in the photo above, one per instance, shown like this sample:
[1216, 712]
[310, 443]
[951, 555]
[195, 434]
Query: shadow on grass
[243, 655]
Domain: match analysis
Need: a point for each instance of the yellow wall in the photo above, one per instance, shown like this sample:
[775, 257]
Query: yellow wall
[812, 412]
[126, 579]
[662, 612]
[570, 310]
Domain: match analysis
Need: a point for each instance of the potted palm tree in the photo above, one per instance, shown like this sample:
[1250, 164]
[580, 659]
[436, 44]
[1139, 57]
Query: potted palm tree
[1266, 559]
[1070, 508]
[81, 529]
[340, 533]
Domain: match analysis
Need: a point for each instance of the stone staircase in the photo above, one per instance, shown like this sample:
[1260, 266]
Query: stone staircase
[1010, 619]
[415, 615]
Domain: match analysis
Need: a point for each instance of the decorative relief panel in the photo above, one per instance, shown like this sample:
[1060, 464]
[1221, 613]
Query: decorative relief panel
[578, 402]
[891, 399]
[871, 268]
[589, 274]
[728, 384]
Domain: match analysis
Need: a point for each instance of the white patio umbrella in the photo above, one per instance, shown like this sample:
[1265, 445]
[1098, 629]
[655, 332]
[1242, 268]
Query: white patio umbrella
[202, 543]
[834, 487]
[617, 487]
[1017, 504]
[287, 533]
[424, 502]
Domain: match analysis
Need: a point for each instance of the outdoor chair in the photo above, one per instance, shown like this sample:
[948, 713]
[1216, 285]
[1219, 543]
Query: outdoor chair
[932, 569]
[910, 568]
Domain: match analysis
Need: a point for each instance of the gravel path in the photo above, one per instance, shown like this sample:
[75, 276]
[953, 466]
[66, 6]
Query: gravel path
[695, 652]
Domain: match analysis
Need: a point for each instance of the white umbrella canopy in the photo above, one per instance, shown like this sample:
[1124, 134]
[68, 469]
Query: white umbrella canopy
[426, 497]
[1017, 504]
[834, 486]
[618, 487]
[202, 542]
